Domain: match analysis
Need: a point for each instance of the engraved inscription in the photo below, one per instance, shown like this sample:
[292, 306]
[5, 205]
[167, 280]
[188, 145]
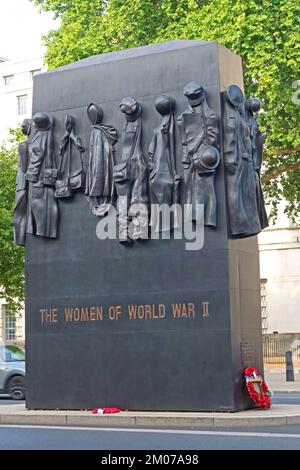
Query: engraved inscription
[84, 314]
[248, 355]
[205, 309]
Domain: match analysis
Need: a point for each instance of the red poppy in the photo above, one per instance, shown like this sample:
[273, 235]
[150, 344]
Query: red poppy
[257, 388]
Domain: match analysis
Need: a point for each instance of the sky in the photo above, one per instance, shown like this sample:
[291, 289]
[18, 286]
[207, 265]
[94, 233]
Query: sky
[21, 28]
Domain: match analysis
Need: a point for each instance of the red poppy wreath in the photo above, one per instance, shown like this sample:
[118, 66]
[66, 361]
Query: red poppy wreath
[257, 388]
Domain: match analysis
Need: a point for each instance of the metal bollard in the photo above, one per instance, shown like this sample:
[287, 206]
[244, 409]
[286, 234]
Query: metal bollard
[289, 366]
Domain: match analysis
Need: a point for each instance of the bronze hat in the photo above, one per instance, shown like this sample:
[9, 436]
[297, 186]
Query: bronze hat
[235, 95]
[194, 92]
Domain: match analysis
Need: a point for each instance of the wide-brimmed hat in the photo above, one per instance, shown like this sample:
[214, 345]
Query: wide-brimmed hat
[235, 95]
[207, 158]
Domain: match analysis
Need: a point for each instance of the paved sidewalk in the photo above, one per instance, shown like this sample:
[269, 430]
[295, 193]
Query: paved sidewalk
[278, 415]
[276, 381]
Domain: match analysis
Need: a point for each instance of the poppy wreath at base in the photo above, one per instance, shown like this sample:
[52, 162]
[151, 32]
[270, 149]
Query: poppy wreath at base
[261, 399]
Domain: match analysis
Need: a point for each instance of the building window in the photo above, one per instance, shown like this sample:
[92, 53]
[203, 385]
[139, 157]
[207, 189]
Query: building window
[8, 79]
[22, 104]
[263, 297]
[35, 72]
[10, 327]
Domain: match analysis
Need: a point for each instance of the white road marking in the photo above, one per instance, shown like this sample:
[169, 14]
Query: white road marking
[158, 431]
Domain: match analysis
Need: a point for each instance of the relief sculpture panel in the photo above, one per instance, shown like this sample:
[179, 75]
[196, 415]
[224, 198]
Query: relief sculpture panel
[21, 195]
[99, 179]
[199, 128]
[164, 181]
[42, 175]
[71, 174]
[243, 146]
[131, 176]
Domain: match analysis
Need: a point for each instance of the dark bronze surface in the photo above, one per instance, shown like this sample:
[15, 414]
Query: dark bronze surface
[151, 326]
[199, 129]
[243, 145]
[41, 175]
[164, 181]
[257, 141]
[21, 196]
[99, 182]
[71, 174]
[131, 175]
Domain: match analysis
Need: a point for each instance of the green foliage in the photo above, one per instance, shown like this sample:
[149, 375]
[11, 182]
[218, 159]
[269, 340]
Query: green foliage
[265, 33]
[11, 256]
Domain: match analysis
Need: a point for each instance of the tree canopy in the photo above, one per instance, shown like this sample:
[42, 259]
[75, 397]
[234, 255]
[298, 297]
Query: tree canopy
[265, 33]
[11, 256]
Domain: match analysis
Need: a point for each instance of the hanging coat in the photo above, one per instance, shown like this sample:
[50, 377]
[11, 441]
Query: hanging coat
[99, 177]
[132, 168]
[200, 134]
[71, 172]
[20, 209]
[240, 174]
[42, 175]
[131, 182]
[257, 142]
[164, 181]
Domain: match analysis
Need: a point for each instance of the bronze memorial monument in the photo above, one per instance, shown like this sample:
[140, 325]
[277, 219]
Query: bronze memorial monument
[122, 308]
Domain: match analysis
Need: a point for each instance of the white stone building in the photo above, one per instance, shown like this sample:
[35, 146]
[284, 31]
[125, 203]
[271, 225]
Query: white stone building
[15, 105]
[279, 247]
[16, 92]
[12, 326]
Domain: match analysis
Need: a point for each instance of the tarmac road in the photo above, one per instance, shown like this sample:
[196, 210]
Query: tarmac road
[68, 438]
[286, 399]
[8, 401]
[13, 437]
